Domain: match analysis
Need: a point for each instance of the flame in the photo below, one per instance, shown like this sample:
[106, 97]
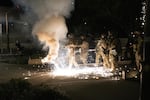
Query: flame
[50, 31]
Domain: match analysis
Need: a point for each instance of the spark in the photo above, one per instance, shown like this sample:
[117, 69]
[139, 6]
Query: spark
[82, 72]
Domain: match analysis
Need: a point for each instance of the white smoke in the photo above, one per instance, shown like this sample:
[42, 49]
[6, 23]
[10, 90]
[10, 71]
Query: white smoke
[50, 31]
[47, 7]
[50, 27]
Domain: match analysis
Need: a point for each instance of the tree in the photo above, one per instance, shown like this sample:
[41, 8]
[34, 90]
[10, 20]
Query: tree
[117, 14]
[19, 89]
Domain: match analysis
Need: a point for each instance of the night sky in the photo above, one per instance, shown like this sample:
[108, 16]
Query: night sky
[6, 3]
[100, 15]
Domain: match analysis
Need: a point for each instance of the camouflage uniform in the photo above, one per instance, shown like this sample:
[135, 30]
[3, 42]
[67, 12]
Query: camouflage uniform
[113, 56]
[101, 52]
[112, 45]
[71, 52]
[137, 49]
[84, 51]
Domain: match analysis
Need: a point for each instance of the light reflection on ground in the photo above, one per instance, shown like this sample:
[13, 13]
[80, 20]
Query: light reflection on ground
[82, 71]
[74, 73]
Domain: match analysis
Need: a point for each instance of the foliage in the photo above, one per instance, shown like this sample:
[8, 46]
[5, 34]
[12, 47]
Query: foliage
[18, 89]
[99, 15]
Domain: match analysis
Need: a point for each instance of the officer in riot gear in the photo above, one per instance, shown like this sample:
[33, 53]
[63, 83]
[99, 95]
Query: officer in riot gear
[102, 51]
[138, 48]
[84, 50]
[113, 54]
[71, 51]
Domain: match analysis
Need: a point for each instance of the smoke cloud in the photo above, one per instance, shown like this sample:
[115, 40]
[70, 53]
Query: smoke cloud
[43, 8]
[50, 26]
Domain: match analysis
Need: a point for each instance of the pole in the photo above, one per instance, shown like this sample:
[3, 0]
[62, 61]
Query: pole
[1, 39]
[7, 33]
[1, 35]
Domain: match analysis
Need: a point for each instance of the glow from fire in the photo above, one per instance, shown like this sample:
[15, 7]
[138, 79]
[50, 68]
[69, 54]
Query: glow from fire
[51, 30]
[85, 72]
[62, 68]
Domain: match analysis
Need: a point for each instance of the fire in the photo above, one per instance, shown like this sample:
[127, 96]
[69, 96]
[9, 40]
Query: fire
[50, 31]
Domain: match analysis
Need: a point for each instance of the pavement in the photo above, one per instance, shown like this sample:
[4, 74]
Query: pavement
[102, 90]
[9, 71]
[76, 89]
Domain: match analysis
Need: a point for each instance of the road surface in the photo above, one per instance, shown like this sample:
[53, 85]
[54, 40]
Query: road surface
[76, 89]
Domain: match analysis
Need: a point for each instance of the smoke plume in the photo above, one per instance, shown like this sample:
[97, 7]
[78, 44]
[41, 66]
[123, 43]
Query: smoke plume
[50, 27]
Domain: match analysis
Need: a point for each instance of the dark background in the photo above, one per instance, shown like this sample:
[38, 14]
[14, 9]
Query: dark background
[97, 16]
[94, 16]
[6, 3]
